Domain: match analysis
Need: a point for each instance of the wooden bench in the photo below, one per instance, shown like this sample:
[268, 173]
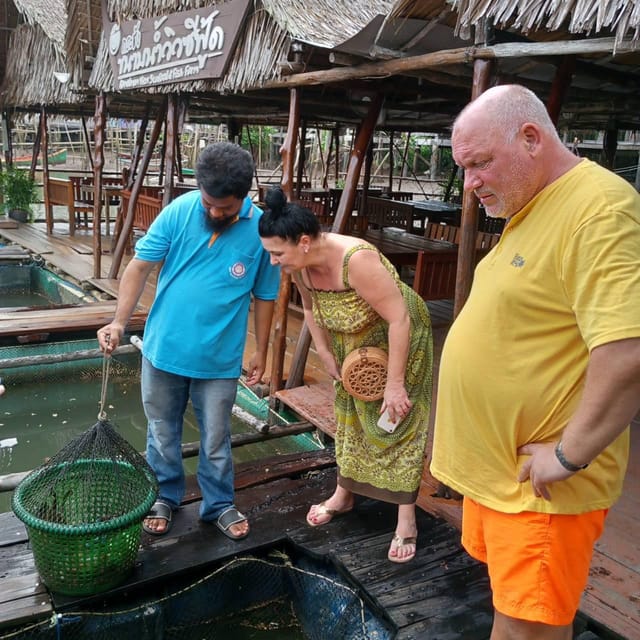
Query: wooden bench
[146, 211]
[60, 192]
[382, 212]
[485, 240]
[435, 274]
[399, 196]
[439, 231]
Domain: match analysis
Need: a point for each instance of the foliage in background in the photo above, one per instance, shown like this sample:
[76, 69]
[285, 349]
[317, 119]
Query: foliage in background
[18, 190]
[256, 137]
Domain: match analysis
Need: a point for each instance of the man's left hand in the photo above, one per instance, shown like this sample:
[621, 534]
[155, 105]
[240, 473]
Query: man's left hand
[542, 468]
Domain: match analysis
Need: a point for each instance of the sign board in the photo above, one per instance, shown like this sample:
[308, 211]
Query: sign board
[179, 47]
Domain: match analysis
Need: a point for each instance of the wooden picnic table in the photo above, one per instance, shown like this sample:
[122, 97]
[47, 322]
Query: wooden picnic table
[435, 211]
[402, 248]
[110, 195]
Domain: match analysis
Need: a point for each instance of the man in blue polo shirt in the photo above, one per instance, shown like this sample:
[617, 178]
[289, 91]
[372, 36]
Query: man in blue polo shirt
[211, 264]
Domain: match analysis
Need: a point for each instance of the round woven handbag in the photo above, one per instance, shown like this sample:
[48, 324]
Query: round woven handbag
[364, 373]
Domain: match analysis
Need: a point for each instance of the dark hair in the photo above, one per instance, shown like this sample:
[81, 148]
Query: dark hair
[286, 220]
[225, 169]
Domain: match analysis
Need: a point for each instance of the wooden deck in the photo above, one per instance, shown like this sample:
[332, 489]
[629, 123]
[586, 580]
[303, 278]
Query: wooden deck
[442, 594]
[611, 603]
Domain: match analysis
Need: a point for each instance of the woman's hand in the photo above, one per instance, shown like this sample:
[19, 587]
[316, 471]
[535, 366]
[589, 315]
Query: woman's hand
[329, 363]
[396, 400]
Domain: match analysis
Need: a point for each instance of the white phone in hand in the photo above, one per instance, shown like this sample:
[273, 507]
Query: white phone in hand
[384, 422]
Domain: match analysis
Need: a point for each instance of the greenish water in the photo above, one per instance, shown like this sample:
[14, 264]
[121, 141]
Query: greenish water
[38, 418]
[24, 299]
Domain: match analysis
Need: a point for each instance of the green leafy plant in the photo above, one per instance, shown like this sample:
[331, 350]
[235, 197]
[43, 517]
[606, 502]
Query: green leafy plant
[18, 190]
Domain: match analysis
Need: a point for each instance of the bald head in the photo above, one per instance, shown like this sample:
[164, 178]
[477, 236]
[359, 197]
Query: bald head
[505, 108]
[509, 148]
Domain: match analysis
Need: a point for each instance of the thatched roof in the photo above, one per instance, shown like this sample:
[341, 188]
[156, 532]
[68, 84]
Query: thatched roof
[49, 15]
[35, 70]
[82, 37]
[584, 17]
[419, 53]
[324, 23]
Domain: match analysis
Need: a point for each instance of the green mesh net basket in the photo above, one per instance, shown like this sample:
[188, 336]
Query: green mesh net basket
[84, 516]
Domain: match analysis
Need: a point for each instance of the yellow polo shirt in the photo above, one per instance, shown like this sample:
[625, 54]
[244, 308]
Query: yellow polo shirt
[564, 278]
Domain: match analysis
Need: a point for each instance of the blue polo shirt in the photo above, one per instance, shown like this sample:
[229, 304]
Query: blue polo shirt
[197, 324]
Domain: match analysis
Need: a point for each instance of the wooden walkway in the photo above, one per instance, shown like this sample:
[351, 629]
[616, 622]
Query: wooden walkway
[442, 593]
[611, 603]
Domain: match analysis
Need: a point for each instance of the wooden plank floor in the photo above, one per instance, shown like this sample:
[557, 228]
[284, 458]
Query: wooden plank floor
[612, 598]
[443, 593]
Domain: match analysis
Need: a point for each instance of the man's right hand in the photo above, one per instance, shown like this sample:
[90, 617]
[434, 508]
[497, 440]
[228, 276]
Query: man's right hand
[109, 336]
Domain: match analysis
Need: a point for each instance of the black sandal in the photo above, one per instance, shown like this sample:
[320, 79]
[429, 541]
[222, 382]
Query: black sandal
[227, 519]
[159, 511]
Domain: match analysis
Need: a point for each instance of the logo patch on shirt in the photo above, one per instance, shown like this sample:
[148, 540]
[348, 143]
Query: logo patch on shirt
[517, 261]
[238, 270]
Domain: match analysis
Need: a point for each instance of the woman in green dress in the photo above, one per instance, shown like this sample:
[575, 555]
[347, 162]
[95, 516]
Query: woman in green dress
[353, 297]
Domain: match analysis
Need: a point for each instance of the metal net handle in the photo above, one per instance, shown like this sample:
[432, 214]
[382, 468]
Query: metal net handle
[106, 363]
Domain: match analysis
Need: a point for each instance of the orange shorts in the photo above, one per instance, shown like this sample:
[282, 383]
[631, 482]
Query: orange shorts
[538, 563]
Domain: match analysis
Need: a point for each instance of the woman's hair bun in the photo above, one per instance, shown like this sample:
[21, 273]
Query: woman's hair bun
[275, 200]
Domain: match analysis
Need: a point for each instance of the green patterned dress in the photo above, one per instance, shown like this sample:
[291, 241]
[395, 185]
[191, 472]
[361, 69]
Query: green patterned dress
[372, 462]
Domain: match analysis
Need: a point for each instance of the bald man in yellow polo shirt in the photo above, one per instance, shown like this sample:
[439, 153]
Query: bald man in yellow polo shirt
[540, 372]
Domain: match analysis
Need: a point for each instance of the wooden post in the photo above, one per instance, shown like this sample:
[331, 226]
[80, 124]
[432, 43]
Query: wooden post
[288, 149]
[287, 153]
[363, 139]
[296, 371]
[302, 158]
[98, 166]
[560, 86]
[482, 72]
[391, 158]
[171, 129]
[183, 105]
[610, 146]
[137, 149]
[36, 150]
[127, 225]
[337, 158]
[87, 140]
[6, 136]
[366, 178]
[405, 153]
[45, 174]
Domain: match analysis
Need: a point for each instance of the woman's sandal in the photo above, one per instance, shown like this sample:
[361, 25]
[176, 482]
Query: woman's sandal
[396, 543]
[322, 510]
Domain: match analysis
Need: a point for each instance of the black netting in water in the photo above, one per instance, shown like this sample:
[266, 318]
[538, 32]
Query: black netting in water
[249, 598]
[83, 510]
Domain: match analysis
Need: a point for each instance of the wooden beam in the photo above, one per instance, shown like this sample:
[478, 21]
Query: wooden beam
[464, 55]
[98, 166]
[127, 224]
[287, 153]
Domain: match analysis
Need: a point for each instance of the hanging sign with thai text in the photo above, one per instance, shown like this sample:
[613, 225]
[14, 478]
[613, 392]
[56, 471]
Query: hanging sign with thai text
[179, 47]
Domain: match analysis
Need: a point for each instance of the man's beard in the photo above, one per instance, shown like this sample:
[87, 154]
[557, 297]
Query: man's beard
[218, 224]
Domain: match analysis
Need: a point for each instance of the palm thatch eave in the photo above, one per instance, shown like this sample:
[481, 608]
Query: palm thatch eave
[621, 18]
[33, 62]
[49, 15]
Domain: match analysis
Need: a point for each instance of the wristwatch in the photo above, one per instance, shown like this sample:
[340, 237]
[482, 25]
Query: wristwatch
[569, 466]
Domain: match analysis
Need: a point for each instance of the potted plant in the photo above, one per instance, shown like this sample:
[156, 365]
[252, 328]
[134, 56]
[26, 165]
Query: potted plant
[18, 190]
